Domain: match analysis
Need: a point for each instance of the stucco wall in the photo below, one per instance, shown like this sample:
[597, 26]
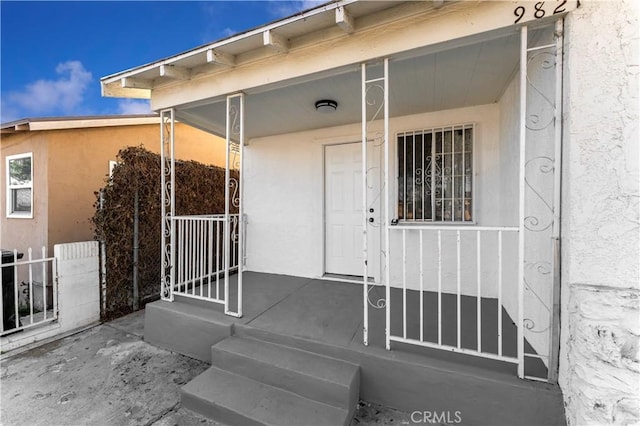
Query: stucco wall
[70, 165]
[79, 164]
[284, 196]
[22, 233]
[599, 356]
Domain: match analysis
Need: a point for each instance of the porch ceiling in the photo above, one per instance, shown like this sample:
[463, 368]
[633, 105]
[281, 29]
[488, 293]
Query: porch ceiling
[474, 74]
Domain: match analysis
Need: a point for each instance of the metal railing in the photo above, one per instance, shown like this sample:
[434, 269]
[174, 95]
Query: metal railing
[473, 259]
[22, 305]
[199, 270]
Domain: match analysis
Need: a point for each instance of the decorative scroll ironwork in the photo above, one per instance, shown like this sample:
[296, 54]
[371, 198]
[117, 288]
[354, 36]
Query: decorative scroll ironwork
[167, 123]
[543, 118]
[542, 268]
[374, 104]
[234, 188]
[544, 165]
[378, 302]
[539, 186]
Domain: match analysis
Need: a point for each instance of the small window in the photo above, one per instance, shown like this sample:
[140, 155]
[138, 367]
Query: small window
[20, 185]
[435, 174]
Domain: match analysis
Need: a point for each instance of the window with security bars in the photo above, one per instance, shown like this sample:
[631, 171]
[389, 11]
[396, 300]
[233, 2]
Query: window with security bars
[435, 178]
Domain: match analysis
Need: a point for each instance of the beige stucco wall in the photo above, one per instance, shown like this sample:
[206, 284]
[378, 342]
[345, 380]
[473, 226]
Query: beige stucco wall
[22, 233]
[70, 165]
[600, 328]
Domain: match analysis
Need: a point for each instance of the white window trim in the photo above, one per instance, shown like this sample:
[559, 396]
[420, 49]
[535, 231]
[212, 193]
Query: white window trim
[474, 177]
[9, 188]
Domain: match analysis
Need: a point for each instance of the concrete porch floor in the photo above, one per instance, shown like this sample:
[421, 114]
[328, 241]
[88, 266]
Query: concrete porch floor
[107, 375]
[325, 317]
[331, 312]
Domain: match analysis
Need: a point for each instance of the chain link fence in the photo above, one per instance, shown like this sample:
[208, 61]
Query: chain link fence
[127, 221]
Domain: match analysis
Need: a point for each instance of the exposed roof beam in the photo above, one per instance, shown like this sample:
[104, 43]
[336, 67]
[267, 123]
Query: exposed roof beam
[136, 83]
[344, 20]
[275, 41]
[175, 72]
[220, 58]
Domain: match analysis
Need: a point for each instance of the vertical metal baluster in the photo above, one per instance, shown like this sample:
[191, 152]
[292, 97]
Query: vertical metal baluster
[182, 251]
[423, 174]
[201, 235]
[442, 177]
[15, 286]
[195, 259]
[500, 293]
[458, 313]
[44, 280]
[463, 175]
[404, 283]
[218, 259]
[439, 287]
[404, 142]
[44, 284]
[421, 290]
[453, 176]
[185, 251]
[187, 254]
[432, 175]
[192, 254]
[210, 256]
[54, 279]
[413, 180]
[479, 297]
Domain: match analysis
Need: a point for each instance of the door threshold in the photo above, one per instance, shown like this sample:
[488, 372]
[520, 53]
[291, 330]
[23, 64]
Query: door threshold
[346, 278]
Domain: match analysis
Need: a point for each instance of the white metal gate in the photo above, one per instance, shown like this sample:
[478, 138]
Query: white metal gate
[29, 295]
[514, 323]
[203, 256]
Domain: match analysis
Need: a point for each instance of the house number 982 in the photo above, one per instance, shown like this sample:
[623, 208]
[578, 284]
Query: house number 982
[539, 10]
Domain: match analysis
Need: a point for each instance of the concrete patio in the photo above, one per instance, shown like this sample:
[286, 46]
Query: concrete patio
[108, 375]
[325, 318]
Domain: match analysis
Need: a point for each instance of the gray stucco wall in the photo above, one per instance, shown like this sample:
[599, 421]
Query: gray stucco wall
[599, 355]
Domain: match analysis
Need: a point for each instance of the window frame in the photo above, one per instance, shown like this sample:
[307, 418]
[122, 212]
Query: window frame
[473, 175]
[10, 213]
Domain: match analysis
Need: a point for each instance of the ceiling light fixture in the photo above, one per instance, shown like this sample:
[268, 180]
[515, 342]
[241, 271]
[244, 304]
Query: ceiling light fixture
[326, 106]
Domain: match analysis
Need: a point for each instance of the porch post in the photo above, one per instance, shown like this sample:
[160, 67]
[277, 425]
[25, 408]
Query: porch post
[387, 212]
[364, 208]
[235, 143]
[167, 177]
[554, 344]
[368, 87]
[521, 196]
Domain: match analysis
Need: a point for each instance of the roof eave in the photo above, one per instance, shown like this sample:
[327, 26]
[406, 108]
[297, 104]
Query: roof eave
[124, 84]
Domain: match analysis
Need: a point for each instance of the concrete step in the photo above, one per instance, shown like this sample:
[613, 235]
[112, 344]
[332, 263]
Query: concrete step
[321, 378]
[184, 328]
[234, 399]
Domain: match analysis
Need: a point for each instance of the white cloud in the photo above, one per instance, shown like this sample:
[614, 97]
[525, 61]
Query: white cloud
[64, 94]
[281, 9]
[131, 106]
[228, 32]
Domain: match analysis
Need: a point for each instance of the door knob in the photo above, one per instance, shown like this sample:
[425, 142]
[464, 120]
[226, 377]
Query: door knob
[371, 219]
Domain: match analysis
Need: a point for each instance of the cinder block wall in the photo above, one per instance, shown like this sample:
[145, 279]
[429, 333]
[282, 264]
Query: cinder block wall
[78, 284]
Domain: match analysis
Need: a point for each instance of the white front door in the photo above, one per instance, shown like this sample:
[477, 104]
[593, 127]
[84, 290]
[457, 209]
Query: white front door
[343, 212]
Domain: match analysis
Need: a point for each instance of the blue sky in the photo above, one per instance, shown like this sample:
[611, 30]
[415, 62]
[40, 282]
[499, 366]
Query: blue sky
[53, 54]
